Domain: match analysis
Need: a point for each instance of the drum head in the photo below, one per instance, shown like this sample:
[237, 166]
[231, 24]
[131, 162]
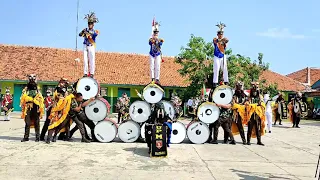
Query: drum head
[152, 94]
[208, 112]
[143, 130]
[129, 131]
[105, 131]
[222, 95]
[169, 109]
[198, 132]
[88, 87]
[178, 133]
[96, 111]
[140, 111]
[296, 107]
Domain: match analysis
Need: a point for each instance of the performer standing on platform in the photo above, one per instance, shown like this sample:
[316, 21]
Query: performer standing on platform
[239, 99]
[89, 44]
[155, 52]
[32, 104]
[219, 59]
[6, 104]
[256, 113]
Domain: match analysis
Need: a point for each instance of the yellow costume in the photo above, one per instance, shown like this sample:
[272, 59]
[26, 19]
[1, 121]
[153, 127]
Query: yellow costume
[26, 102]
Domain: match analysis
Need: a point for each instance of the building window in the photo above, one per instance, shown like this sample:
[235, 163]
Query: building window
[103, 91]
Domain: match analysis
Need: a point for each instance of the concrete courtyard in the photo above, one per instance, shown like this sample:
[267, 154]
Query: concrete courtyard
[290, 153]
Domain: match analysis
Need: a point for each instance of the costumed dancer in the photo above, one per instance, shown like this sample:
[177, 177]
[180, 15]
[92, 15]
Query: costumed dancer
[32, 104]
[60, 89]
[223, 121]
[279, 99]
[297, 115]
[7, 105]
[158, 116]
[290, 110]
[256, 114]
[239, 112]
[155, 53]
[219, 59]
[123, 107]
[58, 115]
[89, 44]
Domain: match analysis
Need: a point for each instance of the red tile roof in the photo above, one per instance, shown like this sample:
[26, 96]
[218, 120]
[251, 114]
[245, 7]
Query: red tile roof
[302, 75]
[50, 64]
[284, 83]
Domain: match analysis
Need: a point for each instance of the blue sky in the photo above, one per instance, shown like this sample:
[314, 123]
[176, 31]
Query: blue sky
[287, 32]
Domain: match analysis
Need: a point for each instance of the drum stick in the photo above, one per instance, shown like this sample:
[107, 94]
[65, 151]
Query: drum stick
[317, 168]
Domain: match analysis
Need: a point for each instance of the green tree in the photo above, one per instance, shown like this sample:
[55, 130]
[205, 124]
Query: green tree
[196, 60]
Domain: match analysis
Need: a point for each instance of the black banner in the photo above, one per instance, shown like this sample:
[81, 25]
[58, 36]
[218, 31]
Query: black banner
[284, 111]
[159, 141]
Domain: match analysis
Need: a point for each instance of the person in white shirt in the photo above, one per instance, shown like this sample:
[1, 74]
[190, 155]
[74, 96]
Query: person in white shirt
[268, 101]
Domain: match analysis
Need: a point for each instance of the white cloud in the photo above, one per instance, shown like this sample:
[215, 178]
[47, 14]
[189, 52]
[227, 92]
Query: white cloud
[281, 33]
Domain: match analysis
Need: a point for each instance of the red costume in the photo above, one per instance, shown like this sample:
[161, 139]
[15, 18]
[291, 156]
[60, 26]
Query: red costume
[7, 100]
[48, 102]
[7, 105]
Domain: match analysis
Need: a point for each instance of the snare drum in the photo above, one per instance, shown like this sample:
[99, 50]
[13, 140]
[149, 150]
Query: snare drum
[198, 132]
[140, 111]
[153, 93]
[97, 110]
[178, 133]
[88, 87]
[168, 107]
[208, 112]
[222, 95]
[129, 131]
[105, 131]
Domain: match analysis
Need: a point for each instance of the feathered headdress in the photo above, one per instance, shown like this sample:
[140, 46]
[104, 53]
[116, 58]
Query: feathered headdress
[221, 26]
[8, 89]
[91, 17]
[155, 25]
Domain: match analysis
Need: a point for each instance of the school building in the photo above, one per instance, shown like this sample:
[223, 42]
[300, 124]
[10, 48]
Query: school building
[116, 72]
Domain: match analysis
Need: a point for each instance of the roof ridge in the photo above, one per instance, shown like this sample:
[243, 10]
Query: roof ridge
[69, 49]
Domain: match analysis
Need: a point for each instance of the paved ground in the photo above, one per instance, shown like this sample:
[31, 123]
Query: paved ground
[289, 153]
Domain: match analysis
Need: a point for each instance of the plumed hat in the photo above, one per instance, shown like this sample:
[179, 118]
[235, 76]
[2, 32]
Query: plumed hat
[91, 17]
[221, 26]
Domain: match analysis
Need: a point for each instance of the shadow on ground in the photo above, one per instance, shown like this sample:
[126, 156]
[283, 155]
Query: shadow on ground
[140, 151]
[245, 175]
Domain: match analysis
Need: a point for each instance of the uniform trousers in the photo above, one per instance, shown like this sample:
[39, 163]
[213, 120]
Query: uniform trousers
[217, 64]
[89, 56]
[155, 67]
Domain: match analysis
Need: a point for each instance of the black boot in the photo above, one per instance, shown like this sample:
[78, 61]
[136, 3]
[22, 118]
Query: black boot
[214, 86]
[214, 142]
[54, 139]
[158, 81]
[25, 139]
[280, 123]
[260, 143]
[297, 126]
[86, 75]
[244, 142]
[152, 79]
[37, 139]
[48, 140]
[85, 140]
[248, 143]
[226, 83]
[233, 142]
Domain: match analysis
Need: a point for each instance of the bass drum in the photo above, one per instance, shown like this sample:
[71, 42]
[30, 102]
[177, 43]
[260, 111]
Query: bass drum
[88, 87]
[169, 109]
[97, 110]
[222, 95]
[105, 131]
[178, 133]
[198, 132]
[152, 93]
[282, 110]
[140, 111]
[143, 130]
[208, 112]
[129, 131]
